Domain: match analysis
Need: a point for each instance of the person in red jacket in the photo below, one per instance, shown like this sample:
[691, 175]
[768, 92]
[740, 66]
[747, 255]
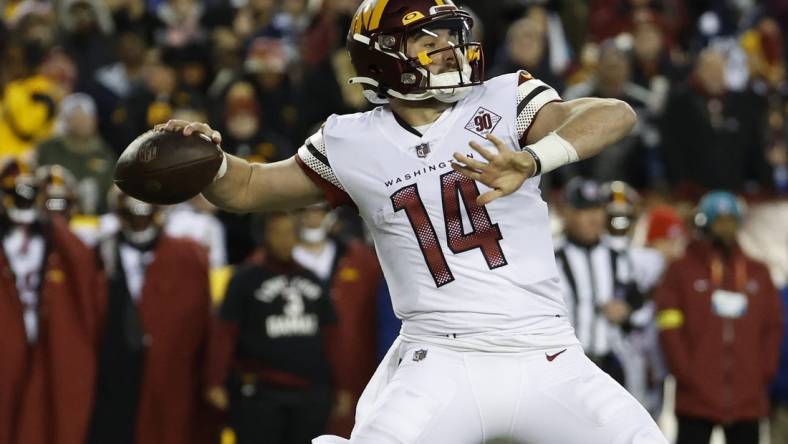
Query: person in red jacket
[155, 335]
[720, 322]
[50, 295]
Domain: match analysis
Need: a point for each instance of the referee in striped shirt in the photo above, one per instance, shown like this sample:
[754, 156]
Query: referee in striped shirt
[599, 279]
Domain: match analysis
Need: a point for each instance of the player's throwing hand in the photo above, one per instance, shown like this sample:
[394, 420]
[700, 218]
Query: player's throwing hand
[189, 128]
[504, 171]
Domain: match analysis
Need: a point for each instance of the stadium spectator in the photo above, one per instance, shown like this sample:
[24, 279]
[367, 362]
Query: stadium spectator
[292, 20]
[653, 61]
[666, 232]
[779, 11]
[763, 44]
[324, 92]
[133, 16]
[79, 147]
[351, 272]
[195, 219]
[609, 18]
[50, 296]
[778, 420]
[268, 67]
[254, 18]
[179, 22]
[192, 64]
[720, 325]
[328, 30]
[155, 333]
[88, 36]
[269, 341]
[625, 160]
[151, 102]
[114, 82]
[246, 134]
[227, 62]
[527, 48]
[703, 119]
[29, 103]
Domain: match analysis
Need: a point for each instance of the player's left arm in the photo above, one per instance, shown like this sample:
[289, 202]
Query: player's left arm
[561, 133]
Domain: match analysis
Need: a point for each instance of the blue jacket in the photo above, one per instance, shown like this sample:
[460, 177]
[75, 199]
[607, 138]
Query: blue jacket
[780, 385]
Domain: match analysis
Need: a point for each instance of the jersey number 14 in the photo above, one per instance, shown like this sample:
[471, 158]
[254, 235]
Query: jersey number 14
[484, 234]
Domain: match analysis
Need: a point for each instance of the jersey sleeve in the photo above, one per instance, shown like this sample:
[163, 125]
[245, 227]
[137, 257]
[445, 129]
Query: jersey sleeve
[312, 158]
[532, 95]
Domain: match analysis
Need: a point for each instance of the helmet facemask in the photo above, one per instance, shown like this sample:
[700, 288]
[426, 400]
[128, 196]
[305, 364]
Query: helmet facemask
[454, 84]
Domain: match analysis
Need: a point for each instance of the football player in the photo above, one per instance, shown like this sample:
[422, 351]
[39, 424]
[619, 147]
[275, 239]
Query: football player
[445, 173]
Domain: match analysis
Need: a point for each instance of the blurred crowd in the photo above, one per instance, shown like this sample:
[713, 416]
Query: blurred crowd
[136, 323]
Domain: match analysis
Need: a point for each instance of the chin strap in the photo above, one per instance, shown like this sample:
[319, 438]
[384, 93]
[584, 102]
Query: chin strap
[447, 95]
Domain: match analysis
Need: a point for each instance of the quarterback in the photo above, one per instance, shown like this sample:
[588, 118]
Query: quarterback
[445, 173]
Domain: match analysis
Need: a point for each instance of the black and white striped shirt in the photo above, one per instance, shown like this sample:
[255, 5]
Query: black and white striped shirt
[592, 276]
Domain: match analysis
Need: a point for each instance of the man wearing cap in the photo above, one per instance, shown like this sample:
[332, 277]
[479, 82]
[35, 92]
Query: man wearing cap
[80, 148]
[720, 322]
[666, 232]
[603, 284]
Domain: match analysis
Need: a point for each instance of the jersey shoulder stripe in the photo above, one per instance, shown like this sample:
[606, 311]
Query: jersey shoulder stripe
[313, 154]
[532, 95]
[313, 160]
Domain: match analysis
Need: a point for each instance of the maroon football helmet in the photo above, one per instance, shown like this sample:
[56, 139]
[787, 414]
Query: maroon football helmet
[378, 39]
[59, 188]
[140, 222]
[19, 193]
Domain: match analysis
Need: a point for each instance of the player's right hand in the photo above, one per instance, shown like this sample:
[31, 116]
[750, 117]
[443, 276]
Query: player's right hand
[504, 172]
[189, 128]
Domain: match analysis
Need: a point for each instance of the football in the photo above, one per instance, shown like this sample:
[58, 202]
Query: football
[166, 167]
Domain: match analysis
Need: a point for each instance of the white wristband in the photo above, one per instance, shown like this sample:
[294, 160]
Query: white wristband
[551, 152]
[222, 168]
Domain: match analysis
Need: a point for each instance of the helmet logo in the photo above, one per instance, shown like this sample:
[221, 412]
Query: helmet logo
[412, 17]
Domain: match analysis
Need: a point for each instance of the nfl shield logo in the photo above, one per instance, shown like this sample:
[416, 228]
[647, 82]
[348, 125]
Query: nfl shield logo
[422, 150]
[147, 152]
[419, 355]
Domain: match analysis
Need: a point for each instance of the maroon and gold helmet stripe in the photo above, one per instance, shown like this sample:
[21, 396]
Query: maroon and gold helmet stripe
[368, 16]
[377, 13]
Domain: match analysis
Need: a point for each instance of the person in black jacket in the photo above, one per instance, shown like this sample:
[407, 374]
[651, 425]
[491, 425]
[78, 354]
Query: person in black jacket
[269, 345]
[713, 137]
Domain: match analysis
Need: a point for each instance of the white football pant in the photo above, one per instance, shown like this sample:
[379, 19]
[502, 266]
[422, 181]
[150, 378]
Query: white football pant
[437, 395]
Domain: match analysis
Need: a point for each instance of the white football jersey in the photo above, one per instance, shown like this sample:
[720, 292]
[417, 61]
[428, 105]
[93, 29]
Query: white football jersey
[453, 267]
